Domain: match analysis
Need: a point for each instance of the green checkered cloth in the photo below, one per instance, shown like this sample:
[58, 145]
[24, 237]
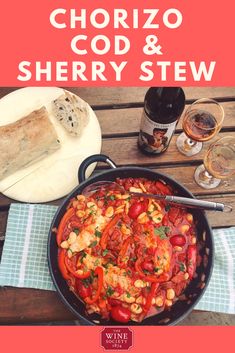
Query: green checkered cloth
[24, 257]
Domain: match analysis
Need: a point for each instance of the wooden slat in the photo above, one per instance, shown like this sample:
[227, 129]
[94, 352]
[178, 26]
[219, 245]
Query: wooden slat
[21, 306]
[122, 121]
[218, 219]
[187, 179]
[117, 95]
[125, 152]
[122, 95]
[3, 222]
[200, 318]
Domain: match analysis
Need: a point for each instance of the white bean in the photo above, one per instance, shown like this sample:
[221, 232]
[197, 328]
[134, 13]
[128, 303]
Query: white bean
[136, 308]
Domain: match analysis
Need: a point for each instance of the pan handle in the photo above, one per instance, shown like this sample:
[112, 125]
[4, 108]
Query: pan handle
[93, 159]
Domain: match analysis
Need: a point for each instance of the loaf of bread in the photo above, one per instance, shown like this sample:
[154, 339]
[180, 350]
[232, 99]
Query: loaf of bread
[26, 141]
[71, 112]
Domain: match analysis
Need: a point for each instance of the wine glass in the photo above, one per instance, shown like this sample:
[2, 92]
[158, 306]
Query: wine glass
[201, 122]
[219, 163]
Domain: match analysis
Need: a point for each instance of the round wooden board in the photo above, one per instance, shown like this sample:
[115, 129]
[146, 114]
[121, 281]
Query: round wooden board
[56, 175]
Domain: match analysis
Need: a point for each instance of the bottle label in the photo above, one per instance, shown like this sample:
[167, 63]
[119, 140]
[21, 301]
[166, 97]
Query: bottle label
[155, 137]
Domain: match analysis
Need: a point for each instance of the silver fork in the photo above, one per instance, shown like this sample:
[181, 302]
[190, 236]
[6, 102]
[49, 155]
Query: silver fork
[174, 200]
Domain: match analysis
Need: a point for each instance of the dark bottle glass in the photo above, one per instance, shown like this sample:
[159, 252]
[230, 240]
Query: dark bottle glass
[163, 107]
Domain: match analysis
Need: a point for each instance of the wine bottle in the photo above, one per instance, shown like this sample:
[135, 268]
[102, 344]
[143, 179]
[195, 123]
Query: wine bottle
[163, 107]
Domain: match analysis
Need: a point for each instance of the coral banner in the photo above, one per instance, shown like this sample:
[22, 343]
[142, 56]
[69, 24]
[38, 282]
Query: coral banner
[90, 340]
[119, 42]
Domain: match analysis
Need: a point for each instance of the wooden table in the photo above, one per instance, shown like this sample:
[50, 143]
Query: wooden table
[119, 111]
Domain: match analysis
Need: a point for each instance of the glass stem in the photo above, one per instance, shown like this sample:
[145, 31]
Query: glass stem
[206, 176]
[189, 144]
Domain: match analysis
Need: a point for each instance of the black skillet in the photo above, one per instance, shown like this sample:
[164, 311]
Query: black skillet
[196, 287]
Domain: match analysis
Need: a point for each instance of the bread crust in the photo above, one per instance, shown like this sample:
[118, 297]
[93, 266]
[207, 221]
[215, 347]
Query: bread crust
[25, 141]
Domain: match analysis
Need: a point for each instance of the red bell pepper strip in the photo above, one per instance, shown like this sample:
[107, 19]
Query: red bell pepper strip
[123, 251]
[61, 264]
[69, 213]
[105, 234]
[164, 189]
[99, 272]
[191, 260]
[68, 265]
[151, 295]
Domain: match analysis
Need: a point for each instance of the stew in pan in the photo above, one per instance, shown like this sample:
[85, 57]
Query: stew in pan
[127, 257]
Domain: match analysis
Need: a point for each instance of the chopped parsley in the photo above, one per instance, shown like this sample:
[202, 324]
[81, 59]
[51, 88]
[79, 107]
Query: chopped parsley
[98, 233]
[93, 244]
[182, 266]
[70, 250]
[133, 259]
[146, 272]
[105, 252]
[84, 254]
[92, 275]
[86, 282]
[156, 269]
[110, 291]
[161, 231]
[76, 230]
[112, 197]
[128, 295]
[96, 263]
[167, 208]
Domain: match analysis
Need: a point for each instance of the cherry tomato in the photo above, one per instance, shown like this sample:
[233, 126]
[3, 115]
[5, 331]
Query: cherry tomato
[148, 266]
[178, 240]
[114, 302]
[120, 314]
[83, 291]
[135, 210]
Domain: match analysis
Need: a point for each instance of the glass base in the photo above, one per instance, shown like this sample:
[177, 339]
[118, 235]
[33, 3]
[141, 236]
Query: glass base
[187, 146]
[204, 179]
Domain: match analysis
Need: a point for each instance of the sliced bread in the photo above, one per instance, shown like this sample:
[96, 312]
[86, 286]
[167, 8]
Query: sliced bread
[71, 112]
